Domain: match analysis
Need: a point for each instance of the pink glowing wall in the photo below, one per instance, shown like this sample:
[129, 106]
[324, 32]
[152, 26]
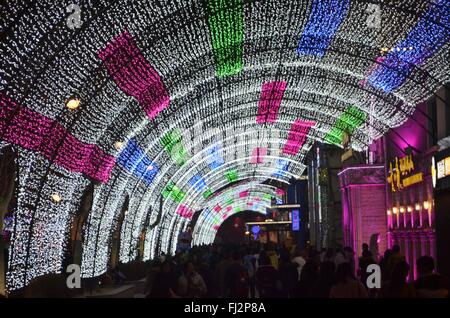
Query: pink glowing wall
[297, 136]
[269, 104]
[363, 206]
[134, 74]
[33, 131]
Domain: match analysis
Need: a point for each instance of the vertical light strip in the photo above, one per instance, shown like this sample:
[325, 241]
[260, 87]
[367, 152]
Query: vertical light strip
[172, 143]
[258, 154]
[134, 75]
[215, 158]
[226, 26]
[270, 101]
[33, 131]
[297, 136]
[424, 40]
[348, 121]
[325, 18]
[134, 159]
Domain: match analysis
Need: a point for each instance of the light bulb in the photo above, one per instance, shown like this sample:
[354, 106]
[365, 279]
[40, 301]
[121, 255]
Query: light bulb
[73, 103]
[118, 145]
[56, 197]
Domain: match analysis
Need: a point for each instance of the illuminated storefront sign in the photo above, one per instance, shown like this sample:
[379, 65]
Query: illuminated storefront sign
[440, 170]
[400, 173]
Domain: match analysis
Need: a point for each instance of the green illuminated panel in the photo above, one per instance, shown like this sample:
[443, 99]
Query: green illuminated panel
[231, 175]
[226, 26]
[171, 142]
[349, 120]
[174, 192]
[207, 193]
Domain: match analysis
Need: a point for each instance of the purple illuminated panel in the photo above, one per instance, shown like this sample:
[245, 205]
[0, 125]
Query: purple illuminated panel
[297, 136]
[134, 75]
[269, 104]
[35, 132]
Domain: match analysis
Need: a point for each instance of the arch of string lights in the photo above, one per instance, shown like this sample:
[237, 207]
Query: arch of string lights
[250, 196]
[180, 98]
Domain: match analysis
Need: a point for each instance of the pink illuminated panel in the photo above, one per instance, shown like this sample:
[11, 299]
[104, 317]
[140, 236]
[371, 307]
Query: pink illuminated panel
[280, 191]
[258, 155]
[134, 74]
[243, 194]
[35, 132]
[217, 208]
[185, 212]
[216, 227]
[297, 136]
[269, 104]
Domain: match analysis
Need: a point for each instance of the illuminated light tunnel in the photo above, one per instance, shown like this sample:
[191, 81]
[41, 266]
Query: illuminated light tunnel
[190, 90]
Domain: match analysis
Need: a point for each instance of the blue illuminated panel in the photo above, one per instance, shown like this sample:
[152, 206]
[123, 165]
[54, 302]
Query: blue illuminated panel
[282, 166]
[198, 182]
[424, 40]
[295, 220]
[216, 159]
[324, 20]
[133, 159]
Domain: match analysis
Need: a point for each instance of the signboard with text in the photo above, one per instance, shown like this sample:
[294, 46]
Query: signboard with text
[401, 173]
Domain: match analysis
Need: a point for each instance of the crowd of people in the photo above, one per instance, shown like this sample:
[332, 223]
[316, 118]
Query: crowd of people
[272, 271]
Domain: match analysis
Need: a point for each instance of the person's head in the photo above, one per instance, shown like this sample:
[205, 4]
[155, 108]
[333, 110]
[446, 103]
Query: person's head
[165, 267]
[387, 253]
[298, 251]
[399, 274]
[264, 259]
[309, 271]
[396, 249]
[284, 257]
[365, 247]
[327, 270]
[344, 273]
[425, 265]
[329, 253]
[348, 250]
[188, 268]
